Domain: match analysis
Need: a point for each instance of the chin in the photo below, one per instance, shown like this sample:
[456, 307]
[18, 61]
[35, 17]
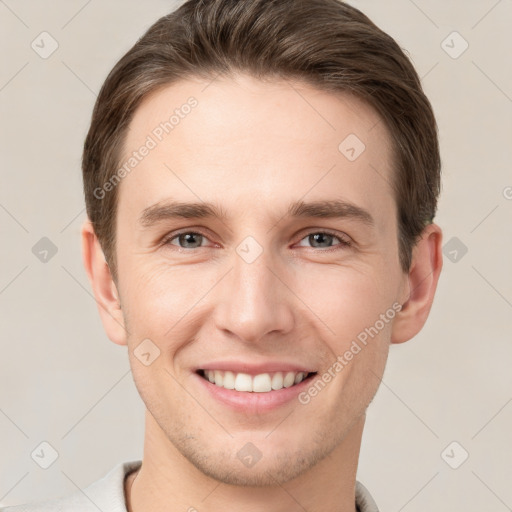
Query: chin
[254, 460]
[264, 473]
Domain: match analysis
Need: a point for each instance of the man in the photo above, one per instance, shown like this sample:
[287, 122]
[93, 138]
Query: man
[261, 179]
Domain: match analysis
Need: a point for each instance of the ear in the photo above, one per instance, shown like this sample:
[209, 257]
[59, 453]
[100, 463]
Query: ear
[420, 285]
[103, 286]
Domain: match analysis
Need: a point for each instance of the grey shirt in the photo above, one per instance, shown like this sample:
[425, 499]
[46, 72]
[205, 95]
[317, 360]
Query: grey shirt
[107, 495]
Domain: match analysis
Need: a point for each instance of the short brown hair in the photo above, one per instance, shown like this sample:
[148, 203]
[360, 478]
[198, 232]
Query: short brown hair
[325, 43]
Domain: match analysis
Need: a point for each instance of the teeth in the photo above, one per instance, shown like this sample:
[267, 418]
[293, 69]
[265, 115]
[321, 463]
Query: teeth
[277, 381]
[229, 380]
[262, 383]
[219, 378]
[289, 379]
[243, 382]
[299, 377]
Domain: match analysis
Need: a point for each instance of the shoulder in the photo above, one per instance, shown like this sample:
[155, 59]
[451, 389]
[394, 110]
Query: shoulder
[106, 494]
[364, 500]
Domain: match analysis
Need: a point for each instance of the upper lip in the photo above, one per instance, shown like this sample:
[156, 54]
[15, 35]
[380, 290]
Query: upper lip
[255, 369]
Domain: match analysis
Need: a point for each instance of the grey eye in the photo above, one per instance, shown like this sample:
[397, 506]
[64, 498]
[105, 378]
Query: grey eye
[320, 238]
[188, 240]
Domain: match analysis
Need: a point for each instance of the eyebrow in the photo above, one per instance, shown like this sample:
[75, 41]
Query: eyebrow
[324, 209]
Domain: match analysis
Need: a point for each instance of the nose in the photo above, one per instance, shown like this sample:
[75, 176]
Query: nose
[255, 304]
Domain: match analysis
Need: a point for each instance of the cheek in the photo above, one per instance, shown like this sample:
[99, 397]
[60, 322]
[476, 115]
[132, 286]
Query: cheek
[350, 304]
[163, 292]
[158, 296]
[345, 299]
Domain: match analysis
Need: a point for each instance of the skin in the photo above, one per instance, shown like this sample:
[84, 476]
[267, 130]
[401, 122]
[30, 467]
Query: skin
[254, 147]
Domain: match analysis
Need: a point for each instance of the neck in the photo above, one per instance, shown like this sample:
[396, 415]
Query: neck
[167, 481]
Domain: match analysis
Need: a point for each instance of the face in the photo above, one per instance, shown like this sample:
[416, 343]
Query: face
[286, 263]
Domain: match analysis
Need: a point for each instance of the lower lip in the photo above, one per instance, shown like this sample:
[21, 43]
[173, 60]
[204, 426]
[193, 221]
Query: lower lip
[253, 402]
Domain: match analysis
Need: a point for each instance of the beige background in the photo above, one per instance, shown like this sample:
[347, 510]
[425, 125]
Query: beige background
[64, 382]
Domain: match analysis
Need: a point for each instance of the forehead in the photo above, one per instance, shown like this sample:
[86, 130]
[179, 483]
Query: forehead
[243, 141]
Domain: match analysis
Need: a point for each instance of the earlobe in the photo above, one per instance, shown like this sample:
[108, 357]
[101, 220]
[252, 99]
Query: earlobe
[422, 279]
[103, 286]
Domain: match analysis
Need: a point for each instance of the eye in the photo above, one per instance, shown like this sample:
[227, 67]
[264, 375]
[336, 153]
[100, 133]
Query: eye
[186, 240]
[319, 238]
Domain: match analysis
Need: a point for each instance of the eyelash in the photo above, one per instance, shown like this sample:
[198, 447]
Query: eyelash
[344, 242]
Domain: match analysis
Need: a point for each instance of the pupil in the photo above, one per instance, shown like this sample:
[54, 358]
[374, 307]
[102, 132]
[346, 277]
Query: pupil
[315, 237]
[188, 238]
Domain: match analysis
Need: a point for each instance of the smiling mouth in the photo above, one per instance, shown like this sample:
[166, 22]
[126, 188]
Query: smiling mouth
[261, 383]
